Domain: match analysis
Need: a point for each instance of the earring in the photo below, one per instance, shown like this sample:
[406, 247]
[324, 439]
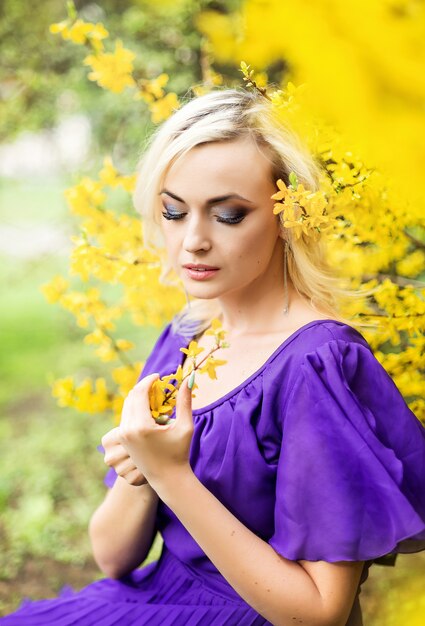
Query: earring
[285, 281]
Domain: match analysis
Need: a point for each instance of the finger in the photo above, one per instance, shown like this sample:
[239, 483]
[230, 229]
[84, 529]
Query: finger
[141, 412]
[115, 455]
[184, 405]
[111, 437]
[124, 467]
[135, 478]
[127, 411]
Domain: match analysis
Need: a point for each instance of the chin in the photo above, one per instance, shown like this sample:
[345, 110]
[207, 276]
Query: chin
[201, 293]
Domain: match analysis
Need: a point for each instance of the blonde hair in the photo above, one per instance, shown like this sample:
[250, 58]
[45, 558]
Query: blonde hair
[225, 115]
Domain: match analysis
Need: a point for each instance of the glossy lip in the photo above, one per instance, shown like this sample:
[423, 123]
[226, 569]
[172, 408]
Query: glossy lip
[193, 271]
[199, 266]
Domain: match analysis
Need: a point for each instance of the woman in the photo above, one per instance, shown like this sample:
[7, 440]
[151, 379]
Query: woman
[278, 485]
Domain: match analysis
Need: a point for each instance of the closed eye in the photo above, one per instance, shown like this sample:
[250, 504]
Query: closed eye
[224, 219]
[173, 215]
[231, 219]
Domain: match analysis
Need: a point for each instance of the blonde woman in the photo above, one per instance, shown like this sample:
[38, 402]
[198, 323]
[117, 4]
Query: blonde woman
[279, 484]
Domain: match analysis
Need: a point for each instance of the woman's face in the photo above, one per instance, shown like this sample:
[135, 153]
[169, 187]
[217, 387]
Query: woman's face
[217, 211]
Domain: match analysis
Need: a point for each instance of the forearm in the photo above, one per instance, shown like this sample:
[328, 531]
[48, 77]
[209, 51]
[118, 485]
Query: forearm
[122, 528]
[277, 588]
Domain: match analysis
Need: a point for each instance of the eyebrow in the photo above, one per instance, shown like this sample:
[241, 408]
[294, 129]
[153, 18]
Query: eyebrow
[211, 201]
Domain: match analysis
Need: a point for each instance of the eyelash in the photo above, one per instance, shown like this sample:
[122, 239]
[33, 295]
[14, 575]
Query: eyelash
[178, 216]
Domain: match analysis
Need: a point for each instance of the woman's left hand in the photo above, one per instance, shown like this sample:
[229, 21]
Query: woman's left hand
[160, 452]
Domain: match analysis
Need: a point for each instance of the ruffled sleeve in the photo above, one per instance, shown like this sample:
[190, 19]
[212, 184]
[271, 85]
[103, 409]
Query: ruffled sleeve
[351, 471]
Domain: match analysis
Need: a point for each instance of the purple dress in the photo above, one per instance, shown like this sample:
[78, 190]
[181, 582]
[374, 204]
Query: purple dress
[316, 452]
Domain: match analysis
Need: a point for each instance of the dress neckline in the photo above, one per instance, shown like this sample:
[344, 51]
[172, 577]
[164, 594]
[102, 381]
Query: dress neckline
[257, 372]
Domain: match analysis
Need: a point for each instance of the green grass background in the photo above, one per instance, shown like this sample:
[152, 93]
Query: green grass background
[50, 471]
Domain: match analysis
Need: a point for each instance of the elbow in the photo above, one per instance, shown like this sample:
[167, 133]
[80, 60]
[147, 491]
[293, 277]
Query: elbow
[111, 570]
[318, 618]
[103, 552]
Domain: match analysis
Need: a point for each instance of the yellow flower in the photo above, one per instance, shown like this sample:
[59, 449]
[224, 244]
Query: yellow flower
[108, 174]
[81, 32]
[55, 289]
[283, 192]
[412, 265]
[112, 70]
[163, 108]
[159, 407]
[85, 196]
[193, 350]
[216, 329]
[60, 28]
[63, 390]
[209, 368]
[151, 90]
[126, 376]
[110, 177]
[96, 338]
[78, 32]
[97, 33]
[124, 345]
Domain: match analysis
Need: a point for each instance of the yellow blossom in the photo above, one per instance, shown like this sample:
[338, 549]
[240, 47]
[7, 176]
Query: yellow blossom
[126, 376]
[63, 390]
[109, 176]
[157, 402]
[162, 109]
[112, 70]
[193, 350]
[124, 345]
[85, 196]
[55, 289]
[217, 330]
[210, 364]
[81, 32]
[150, 90]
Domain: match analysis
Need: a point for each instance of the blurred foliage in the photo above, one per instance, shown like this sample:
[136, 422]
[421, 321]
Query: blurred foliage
[39, 84]
[47, 497]
[372, 238]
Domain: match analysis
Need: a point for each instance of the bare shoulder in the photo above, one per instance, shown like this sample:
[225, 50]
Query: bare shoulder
[337, 584]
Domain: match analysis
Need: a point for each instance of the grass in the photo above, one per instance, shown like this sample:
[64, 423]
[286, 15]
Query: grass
[51, 473]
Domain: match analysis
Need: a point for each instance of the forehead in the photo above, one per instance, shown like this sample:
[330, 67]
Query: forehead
[237, 165]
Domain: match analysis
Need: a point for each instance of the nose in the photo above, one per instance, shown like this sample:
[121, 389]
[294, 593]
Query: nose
[197, 234]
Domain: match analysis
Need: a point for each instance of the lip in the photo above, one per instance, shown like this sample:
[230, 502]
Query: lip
[196, 274]
[199, 266]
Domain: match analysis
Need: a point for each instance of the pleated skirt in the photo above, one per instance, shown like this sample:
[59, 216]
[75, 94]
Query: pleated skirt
[164, 593]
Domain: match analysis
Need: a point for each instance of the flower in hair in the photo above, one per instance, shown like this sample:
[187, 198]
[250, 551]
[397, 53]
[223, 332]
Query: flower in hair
[305, 212]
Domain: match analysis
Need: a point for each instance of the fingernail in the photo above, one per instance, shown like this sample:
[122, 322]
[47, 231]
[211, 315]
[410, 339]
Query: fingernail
[191, 380]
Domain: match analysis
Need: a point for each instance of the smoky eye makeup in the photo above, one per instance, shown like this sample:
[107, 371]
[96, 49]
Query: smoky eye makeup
[170, 212]
[231, 217]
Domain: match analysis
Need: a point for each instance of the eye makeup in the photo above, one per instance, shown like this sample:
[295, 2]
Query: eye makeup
[232, 217]
[171, 213]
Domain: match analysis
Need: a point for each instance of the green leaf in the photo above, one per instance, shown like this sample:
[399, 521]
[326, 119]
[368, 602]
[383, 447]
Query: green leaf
[293, 180]
[72, 11]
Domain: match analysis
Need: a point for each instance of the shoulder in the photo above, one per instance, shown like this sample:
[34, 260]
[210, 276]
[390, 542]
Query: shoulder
[323, 331]
[316, 338]
[320, 353]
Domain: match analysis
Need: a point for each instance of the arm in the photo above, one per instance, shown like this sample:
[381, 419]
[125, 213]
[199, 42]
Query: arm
[122, 528]
[283, 591]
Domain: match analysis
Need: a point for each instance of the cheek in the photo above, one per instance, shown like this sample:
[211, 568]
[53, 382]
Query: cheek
[257, 244]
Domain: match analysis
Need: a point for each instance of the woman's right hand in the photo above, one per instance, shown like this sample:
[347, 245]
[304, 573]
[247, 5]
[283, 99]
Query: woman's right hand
[116, 456]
